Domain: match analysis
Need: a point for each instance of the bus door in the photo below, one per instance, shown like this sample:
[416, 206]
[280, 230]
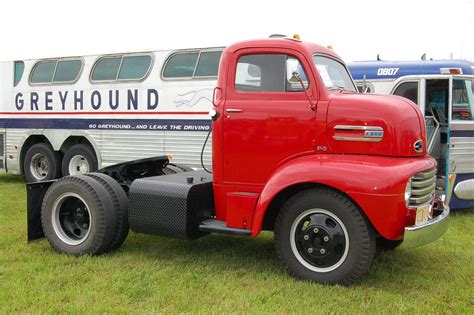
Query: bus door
[461, 140]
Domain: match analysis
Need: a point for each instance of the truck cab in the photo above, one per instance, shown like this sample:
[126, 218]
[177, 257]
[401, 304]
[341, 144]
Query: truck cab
[296, 150]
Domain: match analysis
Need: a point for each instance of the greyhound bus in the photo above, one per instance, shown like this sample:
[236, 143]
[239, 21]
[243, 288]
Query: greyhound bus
[61, 116]
[443, 89]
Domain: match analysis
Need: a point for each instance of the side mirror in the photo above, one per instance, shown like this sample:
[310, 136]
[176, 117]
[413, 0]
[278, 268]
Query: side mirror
[295, 78]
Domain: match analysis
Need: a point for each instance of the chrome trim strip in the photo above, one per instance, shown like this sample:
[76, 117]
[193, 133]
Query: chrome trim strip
[417, 201]
[234, 110]
[424, 175]
[353, 127]
[345, 138]
[419, 235]
[423, 183]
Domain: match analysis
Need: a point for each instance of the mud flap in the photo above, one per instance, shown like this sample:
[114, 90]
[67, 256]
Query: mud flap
[35, 194]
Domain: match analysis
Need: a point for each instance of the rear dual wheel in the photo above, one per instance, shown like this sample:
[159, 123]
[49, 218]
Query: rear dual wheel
[85, 215]
[41, 162]
[322, 236]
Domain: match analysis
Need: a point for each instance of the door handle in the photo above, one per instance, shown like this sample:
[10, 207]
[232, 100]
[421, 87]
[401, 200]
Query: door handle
[234, 110]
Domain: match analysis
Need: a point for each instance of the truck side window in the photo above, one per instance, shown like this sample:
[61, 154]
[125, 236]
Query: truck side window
[294, 65]
[268, 73]
[408, 90]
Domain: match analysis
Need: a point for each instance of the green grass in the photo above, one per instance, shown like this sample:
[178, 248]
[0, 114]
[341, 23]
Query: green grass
[221, 274]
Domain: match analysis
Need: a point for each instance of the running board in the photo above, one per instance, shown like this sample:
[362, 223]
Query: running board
[217, 226]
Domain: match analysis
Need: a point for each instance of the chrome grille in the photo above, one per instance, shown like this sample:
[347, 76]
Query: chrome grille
[423, 187]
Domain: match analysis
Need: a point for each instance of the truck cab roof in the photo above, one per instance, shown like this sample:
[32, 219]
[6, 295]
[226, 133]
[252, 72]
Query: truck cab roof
[285, 43]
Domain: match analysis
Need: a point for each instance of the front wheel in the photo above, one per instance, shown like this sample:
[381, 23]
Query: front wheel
[323, 237]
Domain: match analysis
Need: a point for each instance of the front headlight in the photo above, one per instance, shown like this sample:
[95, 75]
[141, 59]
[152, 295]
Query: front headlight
[408, 192]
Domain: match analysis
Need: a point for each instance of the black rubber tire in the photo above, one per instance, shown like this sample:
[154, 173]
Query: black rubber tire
[120, 205]
[79, 149]
[53, 159]
[360, 233]
[384, 244]
[102, 216]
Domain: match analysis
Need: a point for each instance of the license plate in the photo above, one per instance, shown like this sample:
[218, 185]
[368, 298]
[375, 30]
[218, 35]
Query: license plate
[423, 214]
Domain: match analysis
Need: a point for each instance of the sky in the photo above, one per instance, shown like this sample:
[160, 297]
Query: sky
[357, 30]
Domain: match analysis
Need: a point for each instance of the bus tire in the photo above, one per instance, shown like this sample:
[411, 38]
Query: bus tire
[79, 159]
[77, 216]
[41, 162]
[120, 205]
[321, 236]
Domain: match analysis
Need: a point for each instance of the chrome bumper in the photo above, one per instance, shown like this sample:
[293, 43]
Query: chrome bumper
[419, 235]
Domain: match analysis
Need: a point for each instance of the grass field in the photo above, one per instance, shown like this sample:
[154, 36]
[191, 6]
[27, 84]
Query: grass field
[221, 274]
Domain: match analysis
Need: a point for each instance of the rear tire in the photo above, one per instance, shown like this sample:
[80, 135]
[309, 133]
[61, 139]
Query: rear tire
[322, 236]
[79, 159]
[120, 205]
[41, 162]
[77, 216]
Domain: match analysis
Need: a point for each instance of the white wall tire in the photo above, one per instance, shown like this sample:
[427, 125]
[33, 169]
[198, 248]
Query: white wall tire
[309, 217]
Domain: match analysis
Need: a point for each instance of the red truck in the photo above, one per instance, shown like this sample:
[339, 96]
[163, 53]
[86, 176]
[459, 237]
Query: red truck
[296, 150]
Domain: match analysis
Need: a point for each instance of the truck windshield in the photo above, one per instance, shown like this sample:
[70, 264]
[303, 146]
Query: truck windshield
[333, 74]
[463, 99]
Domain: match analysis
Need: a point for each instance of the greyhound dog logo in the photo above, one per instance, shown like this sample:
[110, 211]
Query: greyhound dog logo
[191, 98]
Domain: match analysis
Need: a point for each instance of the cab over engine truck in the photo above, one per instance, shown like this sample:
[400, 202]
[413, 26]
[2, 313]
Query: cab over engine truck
[295, 151]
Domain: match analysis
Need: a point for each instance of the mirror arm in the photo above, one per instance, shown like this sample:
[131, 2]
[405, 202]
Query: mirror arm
[311, 106]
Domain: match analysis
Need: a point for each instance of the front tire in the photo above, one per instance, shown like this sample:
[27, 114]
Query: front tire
[77, 216]
[322, 236]
[79, 159]
[41, 162]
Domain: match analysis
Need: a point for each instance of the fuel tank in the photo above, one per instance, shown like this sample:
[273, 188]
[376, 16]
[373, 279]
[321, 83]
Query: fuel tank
[375, 125]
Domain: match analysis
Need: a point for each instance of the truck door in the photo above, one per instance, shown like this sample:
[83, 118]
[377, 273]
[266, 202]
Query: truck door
[267, 118]
[461, 141]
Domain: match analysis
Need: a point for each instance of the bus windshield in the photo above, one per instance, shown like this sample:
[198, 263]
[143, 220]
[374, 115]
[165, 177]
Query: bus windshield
[333, 74]
[463, 100]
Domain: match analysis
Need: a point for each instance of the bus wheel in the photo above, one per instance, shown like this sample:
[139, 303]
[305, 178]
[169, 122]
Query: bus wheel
[41, 163]
[79, 159]
[321, 236]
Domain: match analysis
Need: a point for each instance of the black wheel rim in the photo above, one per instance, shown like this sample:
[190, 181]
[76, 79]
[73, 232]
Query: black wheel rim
[319, 240]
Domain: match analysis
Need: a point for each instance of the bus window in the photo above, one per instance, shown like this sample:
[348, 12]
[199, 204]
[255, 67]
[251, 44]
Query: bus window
[19, 69]
[208, 64]
[408, 90]
[463, 99]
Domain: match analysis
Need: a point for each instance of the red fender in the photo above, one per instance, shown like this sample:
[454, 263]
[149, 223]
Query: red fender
[375, 183]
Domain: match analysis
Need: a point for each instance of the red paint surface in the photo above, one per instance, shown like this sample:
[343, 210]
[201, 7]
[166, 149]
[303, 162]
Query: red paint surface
[277, 141]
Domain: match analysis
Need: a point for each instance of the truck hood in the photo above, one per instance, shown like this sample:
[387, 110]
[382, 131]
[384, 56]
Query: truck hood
[375, 124]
